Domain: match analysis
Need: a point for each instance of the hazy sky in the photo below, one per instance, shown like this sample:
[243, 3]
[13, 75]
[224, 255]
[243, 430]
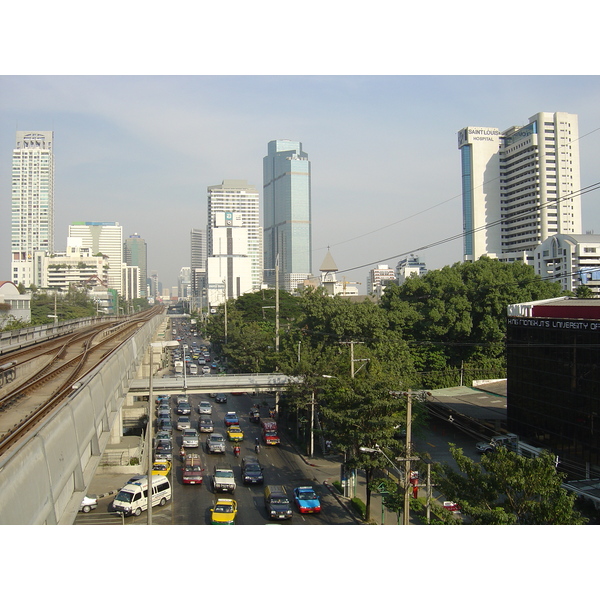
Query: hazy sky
[141, 150]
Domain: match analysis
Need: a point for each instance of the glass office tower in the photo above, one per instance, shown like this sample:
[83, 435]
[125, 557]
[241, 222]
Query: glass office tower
[286, 214]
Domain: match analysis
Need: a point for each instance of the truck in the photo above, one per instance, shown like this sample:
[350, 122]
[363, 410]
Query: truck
[223, 479]
[511, 442]
[178, 366]
[269, 432]
[192, 469]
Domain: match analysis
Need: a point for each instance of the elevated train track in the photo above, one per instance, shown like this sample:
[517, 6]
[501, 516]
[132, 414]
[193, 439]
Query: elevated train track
[38, 378]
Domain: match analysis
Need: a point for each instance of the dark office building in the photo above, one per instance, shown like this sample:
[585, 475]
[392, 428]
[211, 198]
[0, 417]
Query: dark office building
[553, 387]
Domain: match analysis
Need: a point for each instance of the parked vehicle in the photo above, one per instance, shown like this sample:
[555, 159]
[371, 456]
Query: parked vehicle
[88, 503]
[132, 499]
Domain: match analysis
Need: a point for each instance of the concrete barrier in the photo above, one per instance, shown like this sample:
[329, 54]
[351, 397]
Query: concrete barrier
[44, 477]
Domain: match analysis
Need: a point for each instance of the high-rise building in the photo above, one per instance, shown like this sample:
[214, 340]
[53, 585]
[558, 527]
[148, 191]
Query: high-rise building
[198, 268]
[237, 197]
[378, 277]
[519, 186]
[135, 254]
[105, 238]
[229, 267]
[32, 222]
[287, 214]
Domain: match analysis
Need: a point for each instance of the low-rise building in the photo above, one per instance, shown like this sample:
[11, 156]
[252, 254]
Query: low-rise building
[14, 306]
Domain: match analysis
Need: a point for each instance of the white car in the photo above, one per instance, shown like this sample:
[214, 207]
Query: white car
[205, 370]
[88, 503]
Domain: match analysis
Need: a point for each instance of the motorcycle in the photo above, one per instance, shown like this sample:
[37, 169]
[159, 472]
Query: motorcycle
[236, 451]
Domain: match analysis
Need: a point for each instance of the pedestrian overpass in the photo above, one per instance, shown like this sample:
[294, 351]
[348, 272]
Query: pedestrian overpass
[207, 384]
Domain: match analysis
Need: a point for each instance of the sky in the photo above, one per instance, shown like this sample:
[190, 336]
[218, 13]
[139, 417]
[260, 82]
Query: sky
[142, 150]
[151, 108]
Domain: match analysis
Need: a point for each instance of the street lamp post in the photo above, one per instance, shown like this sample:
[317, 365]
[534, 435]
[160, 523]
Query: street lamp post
[149, 432]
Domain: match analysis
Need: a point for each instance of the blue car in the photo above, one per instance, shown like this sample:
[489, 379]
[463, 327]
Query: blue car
[231, 419]
[307, 500]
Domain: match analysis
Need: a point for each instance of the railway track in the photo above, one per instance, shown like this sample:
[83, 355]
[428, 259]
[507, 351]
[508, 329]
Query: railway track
[54, 369]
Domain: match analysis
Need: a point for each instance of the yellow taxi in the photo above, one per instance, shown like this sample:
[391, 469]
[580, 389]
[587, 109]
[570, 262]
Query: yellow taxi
[235, 434]
[223, 512]
[161, 467]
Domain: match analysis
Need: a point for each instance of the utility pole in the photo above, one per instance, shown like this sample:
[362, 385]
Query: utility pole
[406, 514]
[352, 359]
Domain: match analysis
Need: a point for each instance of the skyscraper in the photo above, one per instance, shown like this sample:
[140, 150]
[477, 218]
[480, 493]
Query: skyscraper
[519, 186]
[237, 197]
[107, 238]
[287, 217]
[198, 267]
[135, 254]
[32, 227]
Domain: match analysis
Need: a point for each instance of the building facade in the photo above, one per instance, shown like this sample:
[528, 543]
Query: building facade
[411, 266]
[519, 186]
[553, 380]
[103, 238]
[287, 214]
[32, 202]
[135, 254]
[377, 278]
[198, 269]
[237, 197]
[229, 267]
[571, 260]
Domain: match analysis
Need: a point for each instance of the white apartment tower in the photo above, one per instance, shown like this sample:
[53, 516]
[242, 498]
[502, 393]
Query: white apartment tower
[32, 221]
[519, 186]
[105, 238]
[237, 197]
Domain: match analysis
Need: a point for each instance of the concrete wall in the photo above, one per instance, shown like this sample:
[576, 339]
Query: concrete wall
[44, 477]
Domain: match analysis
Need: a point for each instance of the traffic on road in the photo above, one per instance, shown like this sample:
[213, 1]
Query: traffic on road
[224, 459]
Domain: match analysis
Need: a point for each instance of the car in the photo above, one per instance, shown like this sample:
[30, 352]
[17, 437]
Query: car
[161, 467]
[277, 503]
[306, 499]
[205, 370]
[165, 424]
[163, 435]
[221, 398]
[88, 503]
[235, 433]
[183, 408]
[205, 407]
[205, 425]
[223, 512]
[215, 443]
[192, 469]
[223, 479]
[231, 419]
[184, 422]
[190, 438]
[213, 365]
[164, 450]
[163, 413]
[251, 470]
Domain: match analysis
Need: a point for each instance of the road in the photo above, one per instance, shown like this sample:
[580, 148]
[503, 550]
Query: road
[190, 504]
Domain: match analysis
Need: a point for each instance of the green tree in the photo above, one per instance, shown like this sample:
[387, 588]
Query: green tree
[506, 489]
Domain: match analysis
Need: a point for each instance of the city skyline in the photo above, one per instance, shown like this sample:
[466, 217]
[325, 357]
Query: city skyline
[385, 168]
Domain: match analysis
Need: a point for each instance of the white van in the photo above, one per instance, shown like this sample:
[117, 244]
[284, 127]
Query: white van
[132, 498]
[193, 369]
